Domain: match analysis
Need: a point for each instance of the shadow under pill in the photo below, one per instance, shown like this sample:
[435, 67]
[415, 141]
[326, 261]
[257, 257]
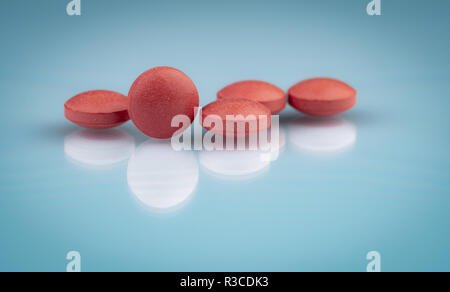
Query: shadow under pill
[366, 118]
[54, 132]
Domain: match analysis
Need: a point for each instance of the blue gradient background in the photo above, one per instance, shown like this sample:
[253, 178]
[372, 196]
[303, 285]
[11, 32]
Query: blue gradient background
[390, 193]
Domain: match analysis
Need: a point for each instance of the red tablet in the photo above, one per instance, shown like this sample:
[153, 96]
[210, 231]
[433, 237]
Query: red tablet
[98, 109]
[268, 94]
[236, 117]
[159, 95]
[322, 97]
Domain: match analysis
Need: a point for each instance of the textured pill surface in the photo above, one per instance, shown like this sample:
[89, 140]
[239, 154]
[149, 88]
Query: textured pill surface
[322, 97]
[268, 94]
[159, 95]
[243, 111]
[97, 109]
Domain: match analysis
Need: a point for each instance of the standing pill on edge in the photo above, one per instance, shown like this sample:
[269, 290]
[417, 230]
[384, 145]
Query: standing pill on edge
[157, 96]
[322, 97]
[263, 92]
[97, 109]
[242, 109]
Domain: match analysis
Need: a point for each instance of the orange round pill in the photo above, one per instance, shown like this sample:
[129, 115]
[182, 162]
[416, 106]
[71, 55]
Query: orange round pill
[159, 95]
[235, 117]
[322, 97]
[263, 92]
[97, 109]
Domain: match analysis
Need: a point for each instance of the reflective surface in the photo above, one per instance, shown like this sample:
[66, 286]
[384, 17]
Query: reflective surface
[322, 135]
[99, 148]
[373, 179]
[160, 177]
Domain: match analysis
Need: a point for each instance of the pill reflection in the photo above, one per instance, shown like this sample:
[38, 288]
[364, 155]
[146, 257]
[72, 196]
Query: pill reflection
[99, 148]
[161, 178]
[241, 164]
[276, 147]
[322, 135]
[234, 164]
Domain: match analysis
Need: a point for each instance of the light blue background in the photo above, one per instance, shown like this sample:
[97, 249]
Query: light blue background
[389, 193]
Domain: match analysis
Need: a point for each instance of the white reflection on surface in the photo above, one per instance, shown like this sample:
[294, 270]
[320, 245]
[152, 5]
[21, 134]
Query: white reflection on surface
[161, 178]
[275, 148]
[99, 148]
[231, 164]
[322, 135]
[245, 164]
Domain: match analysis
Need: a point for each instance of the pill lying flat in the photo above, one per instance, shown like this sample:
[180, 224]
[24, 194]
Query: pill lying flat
[235, 117]
[159, 95]
[322, 97]
[268, 94]
[98, 109]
